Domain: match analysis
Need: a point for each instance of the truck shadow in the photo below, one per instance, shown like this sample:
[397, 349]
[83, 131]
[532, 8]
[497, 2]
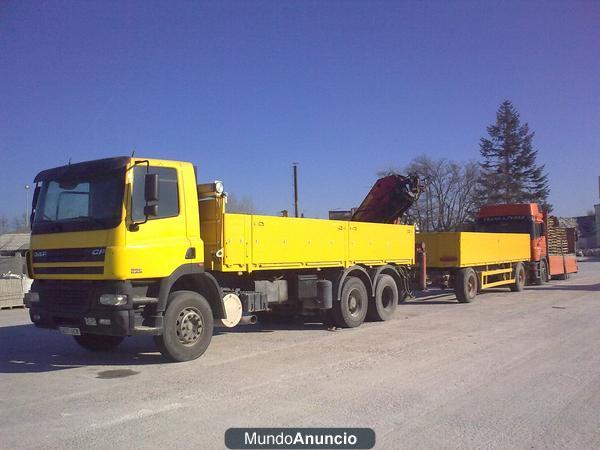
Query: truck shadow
[27, 349]
[272, 326]
[566, 287]
[431, 297]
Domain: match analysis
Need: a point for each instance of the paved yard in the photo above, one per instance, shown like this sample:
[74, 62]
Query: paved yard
[509, 370]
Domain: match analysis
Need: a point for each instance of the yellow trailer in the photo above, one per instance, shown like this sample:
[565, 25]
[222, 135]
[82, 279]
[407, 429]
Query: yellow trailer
[475, 261]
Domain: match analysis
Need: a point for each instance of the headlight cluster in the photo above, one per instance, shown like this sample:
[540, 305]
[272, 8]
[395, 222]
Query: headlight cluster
[113, 299]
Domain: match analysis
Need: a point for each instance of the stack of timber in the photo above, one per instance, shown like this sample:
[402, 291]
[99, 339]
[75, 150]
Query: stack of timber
[558, 243]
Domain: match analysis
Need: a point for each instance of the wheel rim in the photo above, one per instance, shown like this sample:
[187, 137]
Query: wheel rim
[190, 326]
[387, 297]
[521, 276]
[472, 286]
[544, 272]
[355, 303]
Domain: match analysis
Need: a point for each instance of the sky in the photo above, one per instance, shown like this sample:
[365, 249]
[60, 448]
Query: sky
[345, 88]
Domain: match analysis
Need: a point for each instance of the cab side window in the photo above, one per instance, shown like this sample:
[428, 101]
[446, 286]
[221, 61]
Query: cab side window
[168, 193]
[538, 230]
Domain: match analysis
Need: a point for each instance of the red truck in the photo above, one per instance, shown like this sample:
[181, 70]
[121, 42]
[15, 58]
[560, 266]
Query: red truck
[552, 246]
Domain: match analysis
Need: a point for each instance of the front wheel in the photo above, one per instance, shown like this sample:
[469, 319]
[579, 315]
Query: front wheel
[519, 278]
[98, 342]
[188, 327]
[466, 285]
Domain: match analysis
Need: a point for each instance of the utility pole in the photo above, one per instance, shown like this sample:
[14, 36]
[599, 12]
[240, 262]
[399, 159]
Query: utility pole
[27, 187]
[295, 166]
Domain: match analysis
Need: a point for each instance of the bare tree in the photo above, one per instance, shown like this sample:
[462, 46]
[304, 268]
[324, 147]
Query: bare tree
[3, 225]
[20, 224]
[449, 200]
[243, 205]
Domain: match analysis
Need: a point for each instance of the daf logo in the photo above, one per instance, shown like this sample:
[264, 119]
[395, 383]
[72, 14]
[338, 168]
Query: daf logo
[98, 252]
[40, 254]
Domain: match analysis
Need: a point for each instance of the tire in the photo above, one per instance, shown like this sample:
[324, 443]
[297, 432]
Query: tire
[543, 278]
[188, 327]
[466, 285]
[98, 342]
[383, 306]
[519, 278]
[350, 311]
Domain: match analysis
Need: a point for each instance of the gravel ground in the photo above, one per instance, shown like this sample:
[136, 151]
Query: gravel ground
[511, 370]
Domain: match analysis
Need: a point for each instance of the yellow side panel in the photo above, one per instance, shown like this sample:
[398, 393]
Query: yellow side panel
[237, 241]
[211, 231]
[254, 242]
[284, 242]
[474, 249]
[377, 244]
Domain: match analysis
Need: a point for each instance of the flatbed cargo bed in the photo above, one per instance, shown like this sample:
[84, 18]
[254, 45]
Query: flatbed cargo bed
[469, 249]
[246, 243]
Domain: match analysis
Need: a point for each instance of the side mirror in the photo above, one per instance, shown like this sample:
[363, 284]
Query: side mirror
[151, 210]
[151, 187]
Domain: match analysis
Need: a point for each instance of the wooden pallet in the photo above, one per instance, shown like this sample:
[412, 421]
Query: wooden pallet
[21, 306]
[557, 241]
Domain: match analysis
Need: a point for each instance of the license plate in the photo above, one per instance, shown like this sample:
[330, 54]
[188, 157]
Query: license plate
[70, 331]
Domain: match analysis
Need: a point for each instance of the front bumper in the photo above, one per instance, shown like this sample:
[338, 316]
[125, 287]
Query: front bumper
[70, 303]
[119, 325]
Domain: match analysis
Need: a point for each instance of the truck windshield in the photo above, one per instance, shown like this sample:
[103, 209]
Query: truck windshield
[505, 224]
[93, 202]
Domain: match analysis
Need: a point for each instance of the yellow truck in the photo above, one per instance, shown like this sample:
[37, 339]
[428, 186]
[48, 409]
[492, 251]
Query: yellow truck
[474, 261]
[131, 246]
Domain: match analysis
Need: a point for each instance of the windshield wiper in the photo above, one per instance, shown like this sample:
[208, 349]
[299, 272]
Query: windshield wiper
[92, 219]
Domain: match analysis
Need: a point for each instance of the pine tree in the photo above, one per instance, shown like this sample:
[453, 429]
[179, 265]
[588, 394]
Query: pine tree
[509, 170]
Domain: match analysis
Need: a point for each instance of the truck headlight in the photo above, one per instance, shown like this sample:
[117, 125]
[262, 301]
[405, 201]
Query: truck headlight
[113, 299]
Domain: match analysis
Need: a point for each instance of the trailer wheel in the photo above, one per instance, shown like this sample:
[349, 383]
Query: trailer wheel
[350, 311]
[466, 285]
[188, 327]
[98, 342]
[543, 278]
[519, 278]
[384, 304]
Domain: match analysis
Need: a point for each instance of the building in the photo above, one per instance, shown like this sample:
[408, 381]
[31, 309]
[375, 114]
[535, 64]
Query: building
[587, 230]
[12, 251]
[12, 244]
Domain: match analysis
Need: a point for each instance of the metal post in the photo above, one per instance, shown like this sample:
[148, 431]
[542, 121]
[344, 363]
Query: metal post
[422, 254]
[27, 206]
[295, 166]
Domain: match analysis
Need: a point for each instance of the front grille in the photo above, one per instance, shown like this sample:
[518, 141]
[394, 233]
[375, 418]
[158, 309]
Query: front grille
[67, 297]
[88, 254]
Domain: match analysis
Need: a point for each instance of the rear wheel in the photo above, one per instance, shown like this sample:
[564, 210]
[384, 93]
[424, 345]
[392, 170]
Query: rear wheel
[350, 311]
[188, 327]
[519, 278]
[384, 304]
[98, 342]
[466, 285]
